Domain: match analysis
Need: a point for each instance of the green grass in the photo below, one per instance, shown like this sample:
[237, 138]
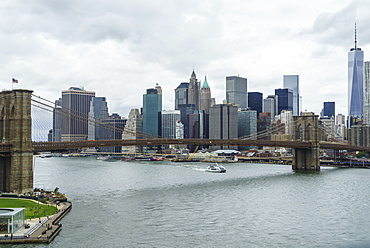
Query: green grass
[31, 207]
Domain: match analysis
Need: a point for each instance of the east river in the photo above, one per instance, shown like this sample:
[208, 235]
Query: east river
[167, 204]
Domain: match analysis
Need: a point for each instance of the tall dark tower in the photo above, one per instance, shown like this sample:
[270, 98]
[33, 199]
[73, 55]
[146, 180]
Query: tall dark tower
[76, 106]
[205, 96]
[194, 91]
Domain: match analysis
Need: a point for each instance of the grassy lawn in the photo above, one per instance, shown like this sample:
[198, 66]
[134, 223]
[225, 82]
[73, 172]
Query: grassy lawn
[31, 207]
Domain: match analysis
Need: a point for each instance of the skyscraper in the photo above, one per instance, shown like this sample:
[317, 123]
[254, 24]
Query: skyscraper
[224, 119]
[264, 123]
[247, 124]
[205, 96]
[98, 112]
[270, 104]
[355, 81]
[133, 130]
[286, 118]
[181, 95]
[169, 120]
[75, 106]
[236, 91]
[340, 121]
[152, 107]
[292, 82]
[329, 109]
[57, 121]
[367, 93]
[194, 91]
[115, 125]
[285, 99]
[255, 101]
[197, 125]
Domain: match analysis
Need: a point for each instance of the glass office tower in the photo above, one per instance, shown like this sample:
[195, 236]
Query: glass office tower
[152, 108]
[292, 82]
[236, 91]
[285, 99]
[355, 81]
[329, 109]
[255, 100]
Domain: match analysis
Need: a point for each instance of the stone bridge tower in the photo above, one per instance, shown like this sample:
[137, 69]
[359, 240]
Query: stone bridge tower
[16, 167]
[305, 128]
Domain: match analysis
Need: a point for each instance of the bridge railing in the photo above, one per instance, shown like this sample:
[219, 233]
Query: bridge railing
[52, 146]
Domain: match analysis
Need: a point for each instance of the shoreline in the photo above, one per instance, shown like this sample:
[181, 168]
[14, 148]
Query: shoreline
[44, 231]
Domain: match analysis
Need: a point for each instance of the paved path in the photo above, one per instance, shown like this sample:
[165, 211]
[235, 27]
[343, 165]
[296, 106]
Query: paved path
[44, 230]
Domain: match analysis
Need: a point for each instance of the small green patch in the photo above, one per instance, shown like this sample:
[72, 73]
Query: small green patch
[33, 209]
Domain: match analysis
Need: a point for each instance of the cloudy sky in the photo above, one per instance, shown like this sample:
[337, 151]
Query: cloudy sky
[119, 48]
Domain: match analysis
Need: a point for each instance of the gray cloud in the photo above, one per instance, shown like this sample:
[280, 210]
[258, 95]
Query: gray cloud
[121, 47]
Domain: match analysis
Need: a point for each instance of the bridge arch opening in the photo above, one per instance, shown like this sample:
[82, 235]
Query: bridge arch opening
[300, 132]
[309, 132]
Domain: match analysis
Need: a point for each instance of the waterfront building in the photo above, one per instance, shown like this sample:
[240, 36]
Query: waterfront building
[236, 91]
[329, 109]
[113, 128]
[355, 81]
[57, 121]
[270, 104]
[11, 220]
[264, 123]
[205, 96]
[367, 93]
[247, 124]
[75, 107]
[169, 122]
[255, 101]
[292, 82]
[181, 95]
[194, 91]
[285, 99]
[133, 130]
[98, 112]
[224, 122]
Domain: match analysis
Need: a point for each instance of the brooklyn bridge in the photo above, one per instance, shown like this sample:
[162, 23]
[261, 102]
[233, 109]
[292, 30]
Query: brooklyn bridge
[17, 148]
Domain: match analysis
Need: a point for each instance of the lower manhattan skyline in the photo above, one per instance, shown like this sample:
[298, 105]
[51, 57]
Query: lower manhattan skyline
[119, 48]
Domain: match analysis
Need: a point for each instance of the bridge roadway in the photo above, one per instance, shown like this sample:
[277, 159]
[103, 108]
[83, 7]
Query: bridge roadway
[50, 146]
[62, 146]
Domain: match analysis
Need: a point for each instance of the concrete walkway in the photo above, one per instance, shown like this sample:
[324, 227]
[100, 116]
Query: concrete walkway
[40, 231]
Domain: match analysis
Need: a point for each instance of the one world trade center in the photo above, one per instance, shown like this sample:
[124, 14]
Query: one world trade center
[356, 81]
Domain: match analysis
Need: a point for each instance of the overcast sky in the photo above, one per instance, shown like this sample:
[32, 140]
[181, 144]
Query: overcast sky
[120, 48]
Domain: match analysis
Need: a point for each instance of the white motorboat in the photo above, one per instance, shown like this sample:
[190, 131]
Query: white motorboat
[106, 158]
[216, 168]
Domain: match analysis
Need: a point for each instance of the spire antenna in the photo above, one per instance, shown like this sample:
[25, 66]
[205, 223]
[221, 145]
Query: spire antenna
[355, 37]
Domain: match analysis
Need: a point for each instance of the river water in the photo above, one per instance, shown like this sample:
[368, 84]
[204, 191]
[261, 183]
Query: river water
[166, 204]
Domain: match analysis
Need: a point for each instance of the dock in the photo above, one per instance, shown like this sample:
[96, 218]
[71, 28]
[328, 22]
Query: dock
[42, 230]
